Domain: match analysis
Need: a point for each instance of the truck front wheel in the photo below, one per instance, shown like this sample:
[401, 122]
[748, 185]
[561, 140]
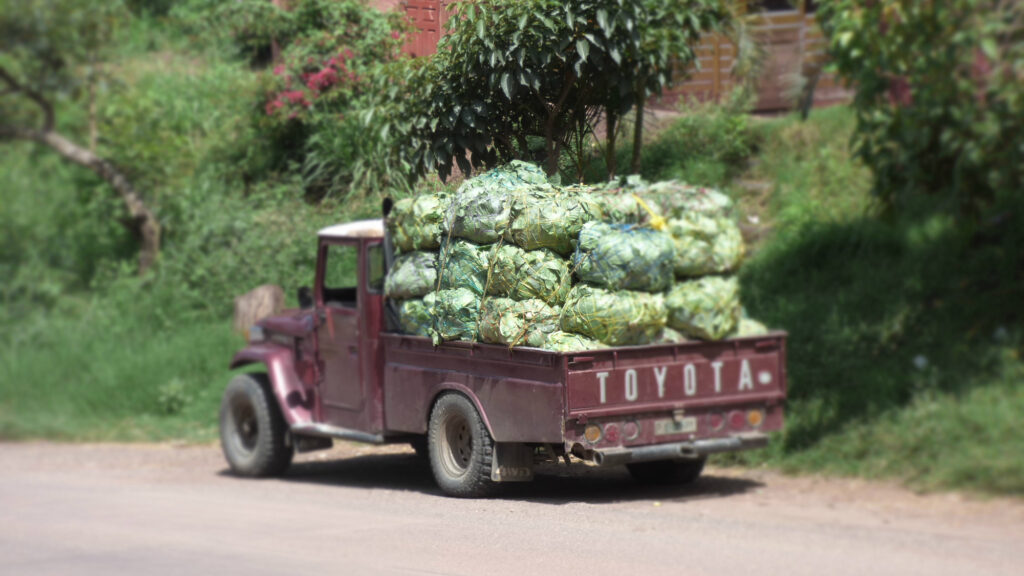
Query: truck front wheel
[667, 471]
[252, 429]
[461, 449]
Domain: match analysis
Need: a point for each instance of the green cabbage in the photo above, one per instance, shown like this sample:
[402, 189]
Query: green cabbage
[525, 323]
[415, 223]
[463, 264]
[619, 318]
[625, 257]
[524, 274]
[456, 313]
[707, 308]
[413, 275]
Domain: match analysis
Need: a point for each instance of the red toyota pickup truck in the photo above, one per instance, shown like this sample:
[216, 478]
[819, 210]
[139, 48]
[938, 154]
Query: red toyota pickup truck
[482, 413]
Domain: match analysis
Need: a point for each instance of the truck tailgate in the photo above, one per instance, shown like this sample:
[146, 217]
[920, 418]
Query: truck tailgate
[688, 376]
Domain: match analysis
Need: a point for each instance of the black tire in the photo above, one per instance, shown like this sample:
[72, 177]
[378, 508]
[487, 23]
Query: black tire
[667, 471]
[461, 448]
[252, 429]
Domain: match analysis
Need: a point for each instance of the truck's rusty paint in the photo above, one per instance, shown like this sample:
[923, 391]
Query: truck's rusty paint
[335, 368]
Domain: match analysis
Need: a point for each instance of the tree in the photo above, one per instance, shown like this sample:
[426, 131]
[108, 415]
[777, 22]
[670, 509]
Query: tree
[939, 96]
[513, 70]
[47, 51]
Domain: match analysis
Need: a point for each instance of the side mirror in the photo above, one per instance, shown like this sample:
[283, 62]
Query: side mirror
[305, 297]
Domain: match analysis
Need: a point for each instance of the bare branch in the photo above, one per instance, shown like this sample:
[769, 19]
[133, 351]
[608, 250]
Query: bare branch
[39, 99]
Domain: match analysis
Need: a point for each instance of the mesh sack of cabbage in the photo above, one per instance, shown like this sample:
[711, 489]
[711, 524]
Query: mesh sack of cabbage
[415, 223]
[617, 318]
[413, 275]
[463, 264]
[624, 257]
[707, 308]
[523, 323]
[456, 315]
[559, 341]
[481, 208]
[552, 220]
[672, 198]
[417, 316]
[524, 274]
[705, 244]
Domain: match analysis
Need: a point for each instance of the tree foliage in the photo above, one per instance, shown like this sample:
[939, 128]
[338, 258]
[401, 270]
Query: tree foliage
[49, 51]
[939, 95]
[514, 70]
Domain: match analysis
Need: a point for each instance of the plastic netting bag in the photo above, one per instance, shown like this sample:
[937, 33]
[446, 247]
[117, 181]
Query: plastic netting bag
[417, 316]
[456, 313]
[553, 220]
[463, 264]
[559, 341]
[523, 323]
[415, 223]
[524, 274]
[478, 214]
[480, 210]
[707, 308]
[618, 318]
[667, 335]
[625, 257]
[705, 244]
[413, 275]
[749, 327]
[623, 207]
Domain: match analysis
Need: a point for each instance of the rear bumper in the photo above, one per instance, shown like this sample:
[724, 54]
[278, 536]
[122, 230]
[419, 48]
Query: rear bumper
[679, 450]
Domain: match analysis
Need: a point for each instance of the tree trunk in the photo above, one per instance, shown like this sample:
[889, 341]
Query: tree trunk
[638, 132]
[610, 121]
[141, 221]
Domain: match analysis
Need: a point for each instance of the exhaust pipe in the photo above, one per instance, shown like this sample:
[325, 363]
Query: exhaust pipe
[677, 450]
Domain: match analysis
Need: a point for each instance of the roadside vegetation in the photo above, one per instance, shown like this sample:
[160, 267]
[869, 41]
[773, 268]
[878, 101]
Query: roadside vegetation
[905, 324]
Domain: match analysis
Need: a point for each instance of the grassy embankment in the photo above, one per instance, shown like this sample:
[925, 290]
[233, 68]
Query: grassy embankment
[904, 333]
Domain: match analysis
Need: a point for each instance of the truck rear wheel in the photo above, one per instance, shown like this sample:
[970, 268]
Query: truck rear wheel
[252, 429]
[667, 471]
[461, 449]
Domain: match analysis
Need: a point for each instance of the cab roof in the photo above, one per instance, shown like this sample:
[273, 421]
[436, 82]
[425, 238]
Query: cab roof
[359, 229]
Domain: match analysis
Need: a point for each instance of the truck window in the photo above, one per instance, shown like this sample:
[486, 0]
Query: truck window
[341, 276]
[375, 268]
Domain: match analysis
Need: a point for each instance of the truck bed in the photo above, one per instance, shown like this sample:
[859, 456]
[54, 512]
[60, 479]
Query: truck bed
[645, 394]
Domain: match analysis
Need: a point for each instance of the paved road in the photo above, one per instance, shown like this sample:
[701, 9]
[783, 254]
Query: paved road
[134, 510]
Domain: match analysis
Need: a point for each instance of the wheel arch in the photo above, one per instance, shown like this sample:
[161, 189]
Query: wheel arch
[456, 388]
[293, 399]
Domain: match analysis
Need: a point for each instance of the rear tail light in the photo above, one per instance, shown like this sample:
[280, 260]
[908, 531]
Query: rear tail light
[737, 420]
[755, 418]
[716, 421]
[593, 433]
[611, 433]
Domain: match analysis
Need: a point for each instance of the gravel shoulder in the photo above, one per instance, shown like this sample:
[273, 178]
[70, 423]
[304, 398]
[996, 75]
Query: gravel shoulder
[166, 509]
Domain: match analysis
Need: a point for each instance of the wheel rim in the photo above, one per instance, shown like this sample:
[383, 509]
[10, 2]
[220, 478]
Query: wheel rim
[246, 427]
[456, 445]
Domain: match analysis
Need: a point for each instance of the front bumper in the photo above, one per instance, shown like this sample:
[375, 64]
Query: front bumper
[679, 450]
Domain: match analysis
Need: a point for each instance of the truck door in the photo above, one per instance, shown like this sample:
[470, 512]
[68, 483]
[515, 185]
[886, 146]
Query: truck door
[341, 388]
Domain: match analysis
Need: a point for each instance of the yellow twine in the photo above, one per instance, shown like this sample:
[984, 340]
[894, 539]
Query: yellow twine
[657, 221]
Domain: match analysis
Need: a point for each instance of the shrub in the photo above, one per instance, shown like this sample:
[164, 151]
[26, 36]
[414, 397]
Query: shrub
[939, 96]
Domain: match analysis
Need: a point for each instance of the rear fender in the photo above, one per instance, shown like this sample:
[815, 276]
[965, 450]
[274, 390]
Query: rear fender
[295, 401]
[468, 393]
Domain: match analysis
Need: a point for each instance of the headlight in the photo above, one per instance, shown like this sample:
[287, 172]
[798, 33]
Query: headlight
[256, 334]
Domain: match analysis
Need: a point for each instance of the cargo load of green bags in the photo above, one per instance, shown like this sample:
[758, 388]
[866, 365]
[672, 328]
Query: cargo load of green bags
[513, 260]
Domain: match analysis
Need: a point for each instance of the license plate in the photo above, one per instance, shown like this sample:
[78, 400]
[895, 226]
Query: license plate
[682, 426]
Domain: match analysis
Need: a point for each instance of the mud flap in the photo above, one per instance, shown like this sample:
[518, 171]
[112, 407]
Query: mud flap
[513, 462]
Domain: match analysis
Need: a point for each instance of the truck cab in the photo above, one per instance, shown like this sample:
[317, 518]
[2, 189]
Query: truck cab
[481, 413]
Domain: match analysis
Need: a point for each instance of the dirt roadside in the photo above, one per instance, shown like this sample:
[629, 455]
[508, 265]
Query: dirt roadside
[164, 509]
